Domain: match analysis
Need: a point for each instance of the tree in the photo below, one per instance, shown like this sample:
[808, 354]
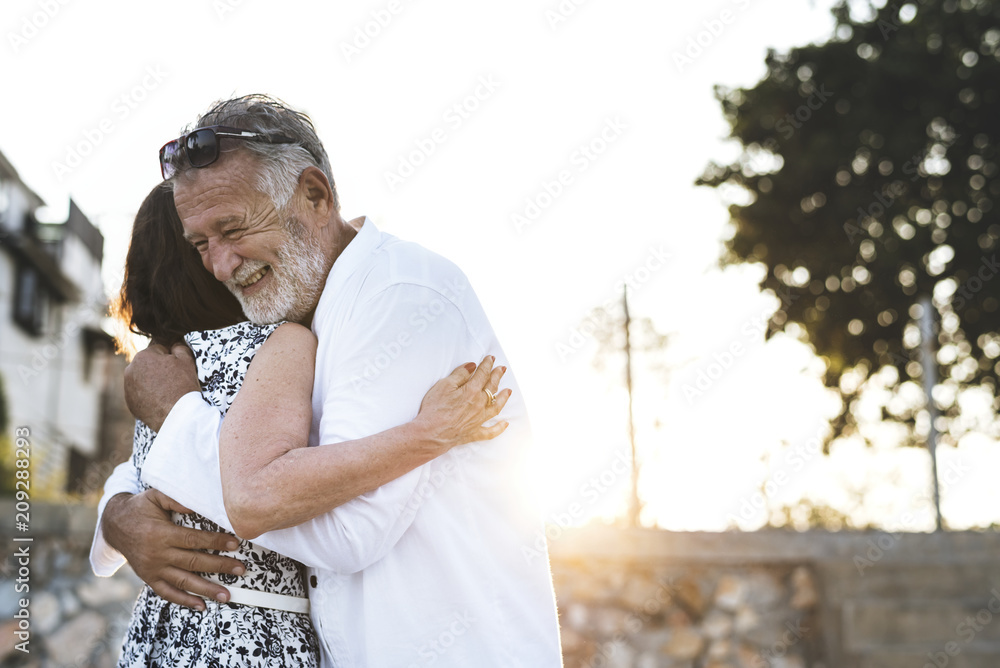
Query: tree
[622, 338]
[869, 166]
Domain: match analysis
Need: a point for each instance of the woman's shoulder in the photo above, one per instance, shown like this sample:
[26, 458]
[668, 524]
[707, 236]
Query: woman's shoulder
[293, 331]
[287, 356]
[223, 356]
[290, 335]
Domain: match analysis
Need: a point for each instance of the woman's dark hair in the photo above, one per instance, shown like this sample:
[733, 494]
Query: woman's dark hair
[166, 291]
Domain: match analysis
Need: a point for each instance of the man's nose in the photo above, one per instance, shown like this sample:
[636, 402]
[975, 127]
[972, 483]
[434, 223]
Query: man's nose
[221, 261]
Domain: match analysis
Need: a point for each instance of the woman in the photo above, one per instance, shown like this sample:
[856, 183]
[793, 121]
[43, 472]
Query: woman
[167, 295]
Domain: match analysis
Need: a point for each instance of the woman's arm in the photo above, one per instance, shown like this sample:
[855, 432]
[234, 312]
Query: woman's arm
[270, 480]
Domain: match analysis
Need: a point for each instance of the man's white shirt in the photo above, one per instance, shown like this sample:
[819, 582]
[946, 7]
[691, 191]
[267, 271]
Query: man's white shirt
[445, 566]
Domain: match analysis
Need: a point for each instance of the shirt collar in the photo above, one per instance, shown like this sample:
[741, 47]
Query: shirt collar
[360, 247]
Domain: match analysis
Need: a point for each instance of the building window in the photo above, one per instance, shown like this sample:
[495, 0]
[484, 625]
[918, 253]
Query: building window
[31, 301]
[77, 476]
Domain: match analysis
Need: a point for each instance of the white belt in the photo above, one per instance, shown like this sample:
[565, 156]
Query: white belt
[264, 599]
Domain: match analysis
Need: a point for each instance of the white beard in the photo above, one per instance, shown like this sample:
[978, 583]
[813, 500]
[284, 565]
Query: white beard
[295, 283]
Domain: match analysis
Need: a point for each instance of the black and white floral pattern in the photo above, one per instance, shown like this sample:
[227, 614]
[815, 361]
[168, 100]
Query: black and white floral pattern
[224, 635]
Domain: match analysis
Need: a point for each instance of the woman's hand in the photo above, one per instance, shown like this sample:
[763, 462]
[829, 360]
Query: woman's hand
[454, 409]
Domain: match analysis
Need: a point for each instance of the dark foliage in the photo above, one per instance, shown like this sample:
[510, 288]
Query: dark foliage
[871, 163]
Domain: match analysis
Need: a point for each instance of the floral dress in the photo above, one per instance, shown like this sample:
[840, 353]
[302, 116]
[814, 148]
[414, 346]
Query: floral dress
[224, 634]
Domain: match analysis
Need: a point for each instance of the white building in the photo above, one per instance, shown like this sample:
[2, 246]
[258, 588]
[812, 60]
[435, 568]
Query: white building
[60, 375]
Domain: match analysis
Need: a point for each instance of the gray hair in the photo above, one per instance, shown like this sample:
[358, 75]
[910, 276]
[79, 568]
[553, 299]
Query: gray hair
[280, 164]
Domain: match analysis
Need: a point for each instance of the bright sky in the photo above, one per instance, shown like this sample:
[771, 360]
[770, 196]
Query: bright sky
[550, 149]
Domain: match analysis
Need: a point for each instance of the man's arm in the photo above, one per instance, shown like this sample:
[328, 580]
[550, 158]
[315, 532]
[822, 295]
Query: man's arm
[357, 403]
[120, 530]
[138, 526]
[165, 555]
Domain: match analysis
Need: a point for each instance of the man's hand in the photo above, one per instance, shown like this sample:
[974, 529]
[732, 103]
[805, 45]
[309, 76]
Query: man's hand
[156, 379]
[165, 555]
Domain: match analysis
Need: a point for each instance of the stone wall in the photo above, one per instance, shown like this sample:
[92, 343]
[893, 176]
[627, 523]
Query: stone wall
[688, 615]
[628, 599]
[75, 619]
[778, 599]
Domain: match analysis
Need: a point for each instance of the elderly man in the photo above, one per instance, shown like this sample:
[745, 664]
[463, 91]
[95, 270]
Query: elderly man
[436, 567]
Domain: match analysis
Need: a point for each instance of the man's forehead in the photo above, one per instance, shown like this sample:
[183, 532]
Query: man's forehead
[211, 187]
[234, 170]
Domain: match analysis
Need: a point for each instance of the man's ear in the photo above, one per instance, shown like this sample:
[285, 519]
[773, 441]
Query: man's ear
[316, 193]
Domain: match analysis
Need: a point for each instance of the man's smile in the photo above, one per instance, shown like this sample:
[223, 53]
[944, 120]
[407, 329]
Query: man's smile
[254, 278]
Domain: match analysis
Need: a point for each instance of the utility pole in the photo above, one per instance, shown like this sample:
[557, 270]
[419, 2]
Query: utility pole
[929, 361]
[633, 505]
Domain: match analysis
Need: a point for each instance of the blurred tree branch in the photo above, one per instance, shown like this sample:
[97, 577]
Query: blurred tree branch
[868, 177]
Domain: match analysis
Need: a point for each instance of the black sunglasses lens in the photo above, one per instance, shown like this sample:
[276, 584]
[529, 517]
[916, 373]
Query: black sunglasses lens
[202, 148]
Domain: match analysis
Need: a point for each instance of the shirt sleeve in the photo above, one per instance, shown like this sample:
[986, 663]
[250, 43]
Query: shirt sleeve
[395, 346]
[104, 559]
[183, 461]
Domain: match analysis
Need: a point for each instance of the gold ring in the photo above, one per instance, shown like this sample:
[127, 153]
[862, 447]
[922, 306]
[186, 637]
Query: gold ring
[491, 398]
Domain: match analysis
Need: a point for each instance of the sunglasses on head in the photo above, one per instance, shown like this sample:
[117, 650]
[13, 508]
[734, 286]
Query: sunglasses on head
[201, 146]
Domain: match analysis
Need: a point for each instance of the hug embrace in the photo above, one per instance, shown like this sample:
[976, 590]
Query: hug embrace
[296, 495]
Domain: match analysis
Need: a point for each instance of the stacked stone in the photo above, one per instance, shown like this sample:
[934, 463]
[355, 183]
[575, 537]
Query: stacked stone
[75, 619]
[627, 598]
[637, 616]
